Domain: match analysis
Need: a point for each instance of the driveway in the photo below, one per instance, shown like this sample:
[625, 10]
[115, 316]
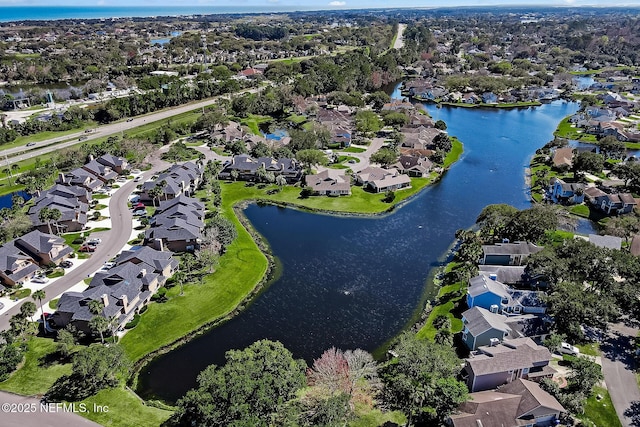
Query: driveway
[112, 243]
[618, 367]
[21, 411]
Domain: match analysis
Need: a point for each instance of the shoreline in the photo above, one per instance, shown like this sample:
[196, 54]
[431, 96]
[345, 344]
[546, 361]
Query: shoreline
[271, 273]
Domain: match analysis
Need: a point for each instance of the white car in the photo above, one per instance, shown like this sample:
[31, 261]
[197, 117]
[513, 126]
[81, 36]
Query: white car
[135, 171]
[94, 241]
[566, 348]
[40, 279]
[108, 265]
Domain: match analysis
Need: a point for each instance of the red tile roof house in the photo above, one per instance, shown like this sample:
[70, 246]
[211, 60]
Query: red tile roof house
[519, 403]
[492, 366]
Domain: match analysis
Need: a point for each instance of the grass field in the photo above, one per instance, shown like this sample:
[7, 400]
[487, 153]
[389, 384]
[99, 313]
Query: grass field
[600, 412]
[567, 130]
[36, 375]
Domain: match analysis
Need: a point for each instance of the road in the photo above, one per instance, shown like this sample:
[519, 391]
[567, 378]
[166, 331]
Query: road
[22, 411]
[618, 367]
[44, 147]
[112, 242]
[399, 41]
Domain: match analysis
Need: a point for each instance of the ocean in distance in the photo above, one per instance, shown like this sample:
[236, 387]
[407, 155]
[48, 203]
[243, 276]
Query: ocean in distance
[36, 13]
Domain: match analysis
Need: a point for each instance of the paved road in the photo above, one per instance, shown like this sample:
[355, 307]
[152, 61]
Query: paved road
[399, 42]
[102, 131]
[22, 411]
[618, 368]
[112, 243]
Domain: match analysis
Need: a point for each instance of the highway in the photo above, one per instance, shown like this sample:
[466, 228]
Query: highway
[17, 154]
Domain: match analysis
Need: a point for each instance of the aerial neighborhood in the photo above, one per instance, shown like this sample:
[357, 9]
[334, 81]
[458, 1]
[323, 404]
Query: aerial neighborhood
[206, 217]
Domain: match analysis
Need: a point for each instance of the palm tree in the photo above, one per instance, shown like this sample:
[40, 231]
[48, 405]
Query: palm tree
[43, 216]
[9, 175]
[155, 193]
[98, 323]
[39, 295]
[179, 277]
[281, 181]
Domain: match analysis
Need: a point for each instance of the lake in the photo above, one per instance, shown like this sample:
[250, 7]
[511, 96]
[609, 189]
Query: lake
[356, 282]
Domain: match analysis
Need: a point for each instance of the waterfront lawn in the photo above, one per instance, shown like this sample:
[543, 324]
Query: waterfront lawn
[219, 294]
[37, 374]
[449, 299]
[567, 130]
[600, 412]
[456, 151]
[124, 409]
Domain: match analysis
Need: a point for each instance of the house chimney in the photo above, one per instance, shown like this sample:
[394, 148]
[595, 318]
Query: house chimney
[143, 272]
[61, 178]
[493, 308]
[105, 299]
[158, 244]
[91, 158]
[494, 342]
[493, 276]
[125, 302]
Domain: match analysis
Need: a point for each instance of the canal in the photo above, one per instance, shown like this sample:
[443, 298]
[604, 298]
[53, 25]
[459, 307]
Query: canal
[356, 282]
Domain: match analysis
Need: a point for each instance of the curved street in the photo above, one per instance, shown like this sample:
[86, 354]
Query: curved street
[112, 242]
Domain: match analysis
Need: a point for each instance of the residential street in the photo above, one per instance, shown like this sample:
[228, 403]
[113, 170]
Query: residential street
[16, 410]
[617, 366]
[112, 242]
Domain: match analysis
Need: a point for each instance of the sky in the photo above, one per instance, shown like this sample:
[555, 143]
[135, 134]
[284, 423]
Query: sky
[318, 4]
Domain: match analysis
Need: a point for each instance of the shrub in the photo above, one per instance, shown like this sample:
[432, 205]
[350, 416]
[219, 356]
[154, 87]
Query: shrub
[133, 323]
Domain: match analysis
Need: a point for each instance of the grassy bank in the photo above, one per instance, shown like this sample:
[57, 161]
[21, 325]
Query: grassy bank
[600, 412]
[567, 130]
[500, 105]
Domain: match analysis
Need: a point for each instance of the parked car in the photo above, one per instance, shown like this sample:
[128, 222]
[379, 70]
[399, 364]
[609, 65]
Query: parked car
[138, 205]
[137, 179]
[130, 119]
[66, 264]
[566, 348]
[138, 212]
[136, 171]
[108, 265]
[40, 279]
[87, 248]
[30, 144]
[94, 241]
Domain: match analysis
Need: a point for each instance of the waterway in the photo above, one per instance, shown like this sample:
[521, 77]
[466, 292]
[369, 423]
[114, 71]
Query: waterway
[356, 282]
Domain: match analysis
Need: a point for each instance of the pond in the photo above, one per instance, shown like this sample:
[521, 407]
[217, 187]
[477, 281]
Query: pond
[356, 282]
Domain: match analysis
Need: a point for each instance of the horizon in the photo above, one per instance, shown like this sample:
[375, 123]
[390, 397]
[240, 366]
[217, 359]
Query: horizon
[309, 5]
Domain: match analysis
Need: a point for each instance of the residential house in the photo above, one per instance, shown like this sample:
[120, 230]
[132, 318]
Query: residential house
[123, 290]
[247, 167]
[567, 192]
[102, 172]
[69, 192]
[489, 98]
[507, 274]
[483, 327]
[470, 98]
[508, 253]
[73, 213]
[177, 180]
[563, 157]
[415, 166]
[606, 241]
[176, 235]
[495, 365]
[396, 105]
[117, 164]
[329, 184]
[379, 179]
[611, 204]
[519, 403]
[81, 178]
[499, 298]
[21, 257]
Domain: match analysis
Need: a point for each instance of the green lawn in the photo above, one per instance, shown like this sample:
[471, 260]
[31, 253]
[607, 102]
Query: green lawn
[36, 375]
[124, 409]
[253, 122]
[602, 412]
[580, 210]
[567, 130]
[353, 150]
[456, 151]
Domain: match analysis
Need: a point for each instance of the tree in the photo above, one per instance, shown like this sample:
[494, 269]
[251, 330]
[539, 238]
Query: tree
[27, 309]
[384, 156]
[100, 324]
[442, 142]
[367, 122]
[440, 124]
[421, 380]
[587, 161]
[311, 157]
[39, 295]
[179, 277]
[611, 148]
[494, 218]
[94, 368]
[10, 357]
[247, 390]
[66, 341]
[234, 174]
[531, 224]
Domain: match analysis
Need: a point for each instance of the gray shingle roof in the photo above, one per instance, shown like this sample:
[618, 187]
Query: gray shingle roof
[510, 355]
[482, 284]
[516, 248]
[480, 321]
